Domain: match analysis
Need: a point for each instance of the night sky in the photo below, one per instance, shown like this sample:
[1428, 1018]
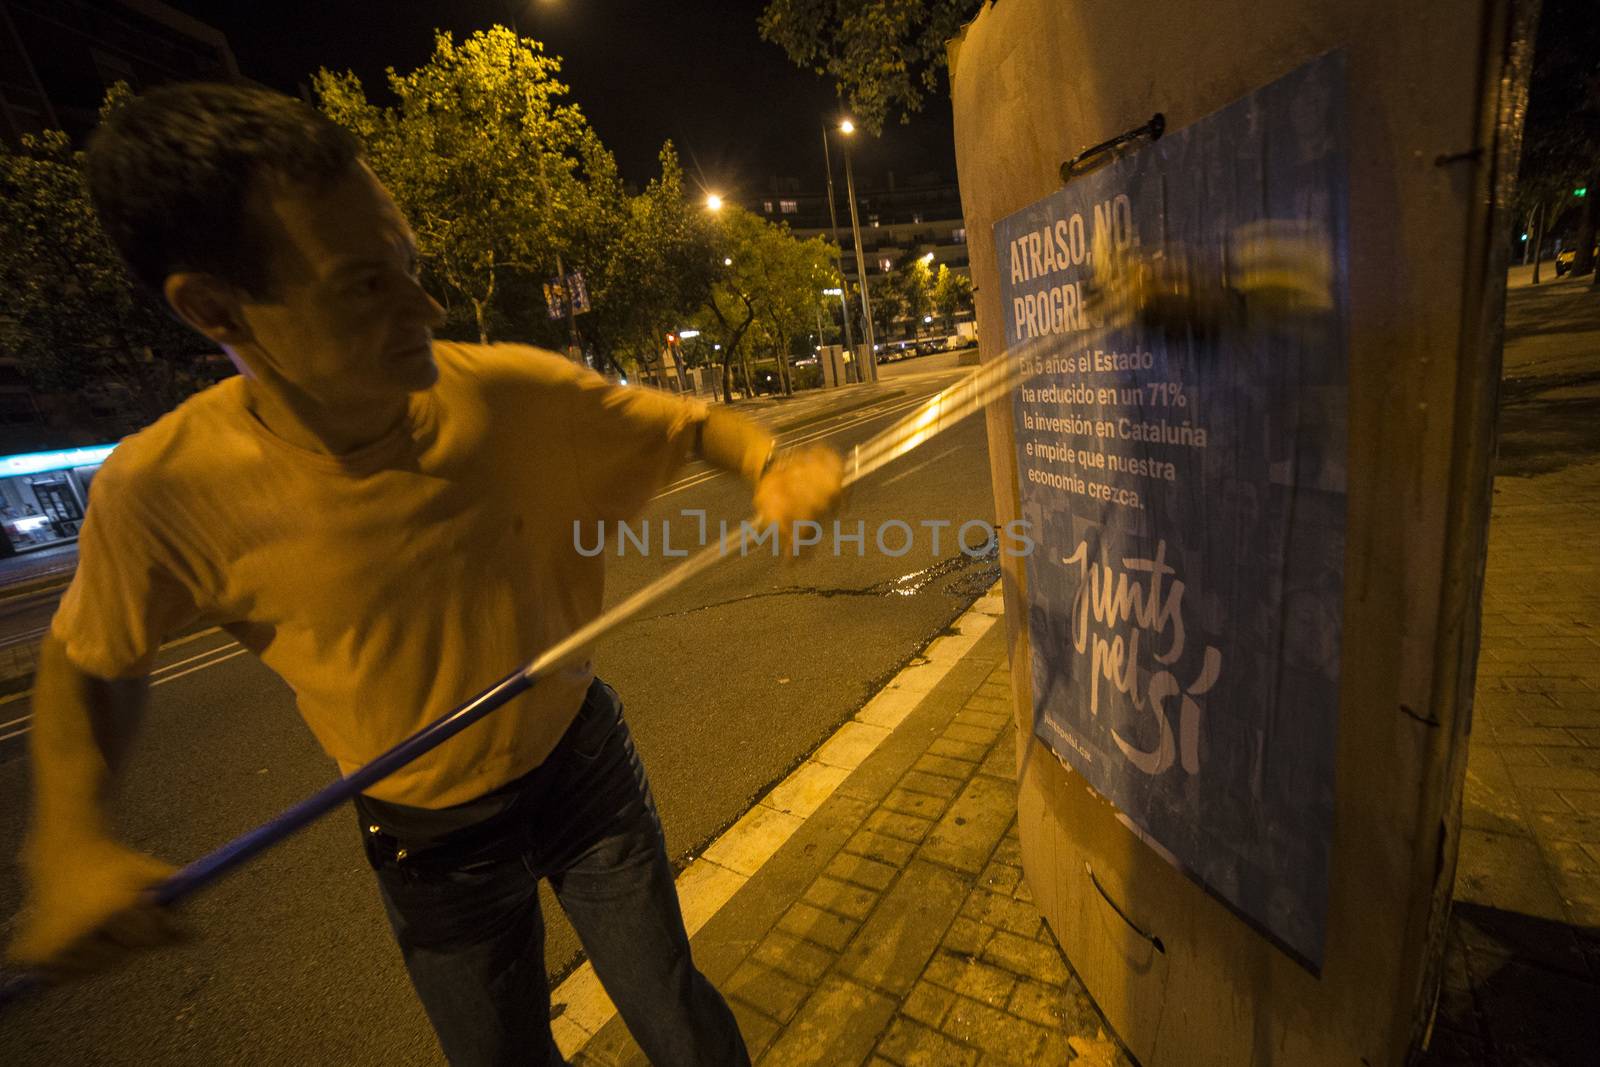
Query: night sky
[696, 71]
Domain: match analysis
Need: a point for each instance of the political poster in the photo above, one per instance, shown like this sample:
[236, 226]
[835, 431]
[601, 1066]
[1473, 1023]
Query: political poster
[1186, 490]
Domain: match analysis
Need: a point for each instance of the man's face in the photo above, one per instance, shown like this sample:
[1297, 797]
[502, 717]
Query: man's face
[345, 321]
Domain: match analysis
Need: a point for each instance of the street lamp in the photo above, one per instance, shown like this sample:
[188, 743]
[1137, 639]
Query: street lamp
[844, 311]
[713, 202]
[870, 364]
[848, 128]
[833, 221]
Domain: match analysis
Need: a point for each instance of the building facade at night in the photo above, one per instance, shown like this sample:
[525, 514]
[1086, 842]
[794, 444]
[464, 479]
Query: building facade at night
[900, 221]
[58, 58]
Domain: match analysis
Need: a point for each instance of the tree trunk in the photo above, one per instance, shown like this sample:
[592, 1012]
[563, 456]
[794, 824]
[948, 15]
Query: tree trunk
[749, 374]
[603, 353]
[683, 373]
[1583, 261]
[783, 365]
[1538, 239]
[477, 313]
[480, 308]
[730, 343]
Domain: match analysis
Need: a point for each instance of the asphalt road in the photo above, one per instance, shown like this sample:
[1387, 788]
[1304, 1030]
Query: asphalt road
[728, 684]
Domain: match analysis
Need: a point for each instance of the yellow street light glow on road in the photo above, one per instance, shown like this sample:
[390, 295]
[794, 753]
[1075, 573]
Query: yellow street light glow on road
[847, 127]
[714, 202]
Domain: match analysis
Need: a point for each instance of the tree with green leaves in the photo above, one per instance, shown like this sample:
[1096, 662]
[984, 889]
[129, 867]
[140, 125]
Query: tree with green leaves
[913, 277]
[765, 287]
[888, 305]
[657, 268]
[791, 275]
[952, 294]
[486, 158]
[729, 299]
[884, 56]
[69, 312]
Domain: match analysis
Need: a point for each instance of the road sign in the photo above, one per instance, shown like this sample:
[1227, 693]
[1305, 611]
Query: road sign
[555, 295]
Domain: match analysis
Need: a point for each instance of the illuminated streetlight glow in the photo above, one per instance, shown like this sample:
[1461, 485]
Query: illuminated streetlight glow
[847, 127]
[714, 202]
[928, 258]
[726, 261]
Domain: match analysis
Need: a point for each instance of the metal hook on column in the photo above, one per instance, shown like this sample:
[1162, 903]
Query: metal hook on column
[1135, 927]
[1099, 155]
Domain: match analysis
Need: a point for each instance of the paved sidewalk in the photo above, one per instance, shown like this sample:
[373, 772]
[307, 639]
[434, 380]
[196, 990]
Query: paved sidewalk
[1523, 966]
[894, 925]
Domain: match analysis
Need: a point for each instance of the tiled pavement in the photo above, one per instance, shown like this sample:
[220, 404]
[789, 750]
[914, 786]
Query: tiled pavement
[1523, 968]
[1522, 977]
[895, 926]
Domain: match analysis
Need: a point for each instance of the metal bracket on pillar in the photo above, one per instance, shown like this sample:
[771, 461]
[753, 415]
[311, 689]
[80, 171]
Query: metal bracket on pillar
[1135, 927]
[1096, 156]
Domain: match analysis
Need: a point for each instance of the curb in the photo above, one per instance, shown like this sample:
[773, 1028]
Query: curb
[58, 578]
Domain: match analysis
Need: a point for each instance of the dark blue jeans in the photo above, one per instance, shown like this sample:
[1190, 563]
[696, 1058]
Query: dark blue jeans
[465, 910]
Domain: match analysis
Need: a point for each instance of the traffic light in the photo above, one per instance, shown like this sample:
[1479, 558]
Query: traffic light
[1582, 190]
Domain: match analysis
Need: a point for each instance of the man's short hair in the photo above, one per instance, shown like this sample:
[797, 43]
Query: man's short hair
[172, 175]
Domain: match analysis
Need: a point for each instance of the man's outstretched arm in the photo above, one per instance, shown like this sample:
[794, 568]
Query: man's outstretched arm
[86, 902]
[794, 486]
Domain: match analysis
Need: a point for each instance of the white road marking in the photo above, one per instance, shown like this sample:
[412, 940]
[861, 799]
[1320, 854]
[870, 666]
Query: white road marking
[19, 638]
[174, 643]
[854, 414]
[924, 463]
[160, 676]
[807, 436]
[220, 659]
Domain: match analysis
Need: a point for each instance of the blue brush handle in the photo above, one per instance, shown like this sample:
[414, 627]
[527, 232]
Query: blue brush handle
[213, 865]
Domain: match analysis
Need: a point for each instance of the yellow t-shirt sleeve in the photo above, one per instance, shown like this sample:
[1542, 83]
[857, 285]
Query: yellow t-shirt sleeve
[626, 441]
[732, 442]
[125, 597]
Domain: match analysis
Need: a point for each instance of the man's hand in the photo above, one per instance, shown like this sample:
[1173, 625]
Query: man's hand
[88, 906]
[803, 485]
[1273, 272]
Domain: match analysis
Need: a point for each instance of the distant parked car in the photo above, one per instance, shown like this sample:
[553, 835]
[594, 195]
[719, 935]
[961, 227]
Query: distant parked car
[1565, 257]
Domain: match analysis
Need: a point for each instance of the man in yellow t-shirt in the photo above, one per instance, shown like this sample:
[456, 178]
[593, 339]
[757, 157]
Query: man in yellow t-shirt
[389, 524]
